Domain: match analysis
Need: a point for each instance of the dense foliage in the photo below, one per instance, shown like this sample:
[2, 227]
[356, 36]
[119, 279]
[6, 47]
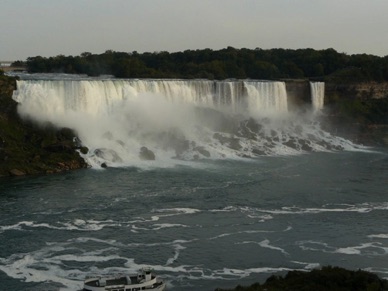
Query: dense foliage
[226, 63]
[328, 278]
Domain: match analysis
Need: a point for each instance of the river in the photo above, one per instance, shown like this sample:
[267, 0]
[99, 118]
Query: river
[201, 222]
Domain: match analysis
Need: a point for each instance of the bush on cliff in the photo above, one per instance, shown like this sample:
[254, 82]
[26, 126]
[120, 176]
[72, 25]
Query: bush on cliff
[326, 279]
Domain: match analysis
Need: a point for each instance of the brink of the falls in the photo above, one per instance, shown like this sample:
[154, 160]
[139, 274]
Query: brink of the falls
[176, 121]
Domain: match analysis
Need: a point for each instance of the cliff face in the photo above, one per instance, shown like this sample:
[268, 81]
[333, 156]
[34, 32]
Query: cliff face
[369, 90]
[27, 148]
[357, 111]
[360, 110]
[298, 93]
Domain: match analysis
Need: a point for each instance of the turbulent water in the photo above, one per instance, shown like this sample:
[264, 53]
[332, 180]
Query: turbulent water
[207, 225]
[318, 95]
[240, 188]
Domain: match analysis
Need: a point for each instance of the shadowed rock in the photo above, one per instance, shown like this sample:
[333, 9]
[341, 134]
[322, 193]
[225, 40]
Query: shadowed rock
[109, 155]
[202, 151]
[146, 154]
[16, 172]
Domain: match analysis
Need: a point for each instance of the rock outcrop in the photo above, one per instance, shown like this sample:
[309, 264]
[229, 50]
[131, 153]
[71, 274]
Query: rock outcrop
[364, 90]
[27, 148]
[359, 111]
[298, 93]
[146, 154]
[354, 110]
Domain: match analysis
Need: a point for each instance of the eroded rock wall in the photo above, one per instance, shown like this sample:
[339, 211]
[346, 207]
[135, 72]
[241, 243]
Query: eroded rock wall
[298, 93]
[28, 148]
[367, 90]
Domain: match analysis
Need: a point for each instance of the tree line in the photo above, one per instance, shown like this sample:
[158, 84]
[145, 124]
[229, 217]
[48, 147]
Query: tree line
[327, 64]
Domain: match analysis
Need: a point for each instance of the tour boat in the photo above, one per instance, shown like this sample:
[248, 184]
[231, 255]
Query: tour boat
[144, 280]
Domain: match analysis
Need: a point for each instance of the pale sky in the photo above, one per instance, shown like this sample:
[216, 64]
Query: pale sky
[51, 27]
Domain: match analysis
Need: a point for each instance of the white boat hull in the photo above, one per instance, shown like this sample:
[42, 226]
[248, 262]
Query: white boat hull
[161, 287]
[143, 281]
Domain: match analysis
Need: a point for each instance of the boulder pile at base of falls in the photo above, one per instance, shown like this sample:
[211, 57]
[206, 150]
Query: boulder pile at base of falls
[146, 154]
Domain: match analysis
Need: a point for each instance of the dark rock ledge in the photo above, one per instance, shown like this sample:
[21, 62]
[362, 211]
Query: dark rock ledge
[27, 148]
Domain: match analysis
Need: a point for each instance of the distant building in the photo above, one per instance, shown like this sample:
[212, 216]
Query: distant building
[5, 64]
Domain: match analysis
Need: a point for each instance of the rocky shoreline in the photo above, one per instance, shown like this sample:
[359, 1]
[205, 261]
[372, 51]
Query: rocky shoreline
[28, 149]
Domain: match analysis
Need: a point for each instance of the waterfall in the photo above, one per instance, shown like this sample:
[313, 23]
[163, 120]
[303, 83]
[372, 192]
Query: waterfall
[165, 122]
[97, 96]
[317, 95]
[266, 96]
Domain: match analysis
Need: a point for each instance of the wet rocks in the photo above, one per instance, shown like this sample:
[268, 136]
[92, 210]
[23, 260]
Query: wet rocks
[231, 142]
[146, 154]
[16, 172]
[84, 150]
[108, 155]
[202, 151]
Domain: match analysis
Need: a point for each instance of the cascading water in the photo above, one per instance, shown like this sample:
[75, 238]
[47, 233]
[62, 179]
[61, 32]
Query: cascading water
[165, 122]
[266, 96]
[317, 95]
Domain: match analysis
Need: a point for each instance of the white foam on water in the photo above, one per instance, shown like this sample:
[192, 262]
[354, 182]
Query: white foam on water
[225, 209]
[167, 225]
[178, 248]
[269, 270]
[315, 246]
[381, 235]
[168, 212]
[240, 232]
[35, 267]
[109, 242]
[51, 262]
[78, 224]
[364, 249]
[95, 225]
[359, 208]
[49, 265]
[265, 244]
[177, 211]
[374, 249]
[263, 215]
